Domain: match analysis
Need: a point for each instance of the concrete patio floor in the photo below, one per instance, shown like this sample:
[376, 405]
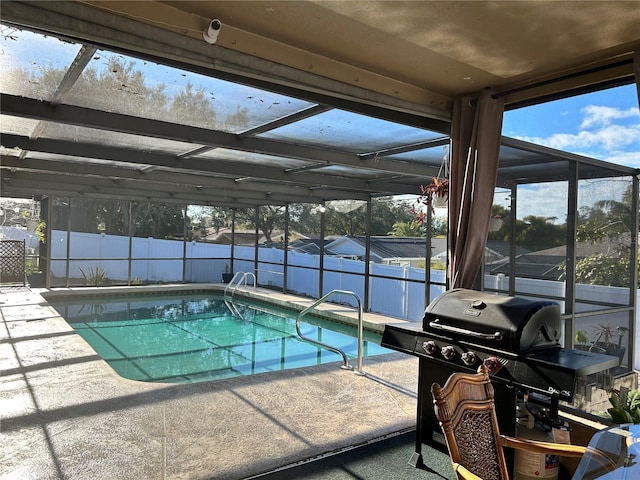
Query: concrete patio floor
[66, 414]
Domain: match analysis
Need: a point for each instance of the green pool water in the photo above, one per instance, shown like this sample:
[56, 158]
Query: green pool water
[194, 337]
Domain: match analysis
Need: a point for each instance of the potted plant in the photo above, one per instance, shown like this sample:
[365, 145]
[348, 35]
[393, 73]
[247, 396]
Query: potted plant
[35, 225]
[435, 194]
[604, 339]
[582, 341]
[35, 277]
[227, 276]
[625, 406]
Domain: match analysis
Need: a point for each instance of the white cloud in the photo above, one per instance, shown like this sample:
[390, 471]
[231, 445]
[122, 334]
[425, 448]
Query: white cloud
[543, 200]
[598, 115]
[602, 134]
[630, 159]
[549, 200]
[609, 137]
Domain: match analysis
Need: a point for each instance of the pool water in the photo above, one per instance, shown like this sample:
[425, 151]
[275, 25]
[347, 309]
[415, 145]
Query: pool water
[195, 337]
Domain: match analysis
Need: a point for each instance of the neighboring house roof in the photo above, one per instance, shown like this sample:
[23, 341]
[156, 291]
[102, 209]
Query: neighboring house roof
[311, 244]
[546, 264]
[439, 249]
[349, 245]
[583, 249]
[496, 251]
[503, 248]
[225, 238]
[247, 237]
[399, 247]
[305, 245]
[242, 237]
[383, 248]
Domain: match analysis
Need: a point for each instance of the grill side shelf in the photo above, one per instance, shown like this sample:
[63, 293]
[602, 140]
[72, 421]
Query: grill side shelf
[400, 339]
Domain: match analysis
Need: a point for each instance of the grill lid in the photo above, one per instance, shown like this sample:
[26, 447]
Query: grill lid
[512, 324]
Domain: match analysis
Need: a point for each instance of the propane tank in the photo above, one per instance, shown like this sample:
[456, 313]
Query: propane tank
[530, 465]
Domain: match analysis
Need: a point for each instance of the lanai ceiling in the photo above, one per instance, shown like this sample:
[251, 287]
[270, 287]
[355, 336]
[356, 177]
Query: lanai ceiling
[301, 101]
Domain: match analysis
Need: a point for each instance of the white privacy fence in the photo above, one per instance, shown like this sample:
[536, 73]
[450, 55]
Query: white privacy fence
[152, 260]
[161, 261]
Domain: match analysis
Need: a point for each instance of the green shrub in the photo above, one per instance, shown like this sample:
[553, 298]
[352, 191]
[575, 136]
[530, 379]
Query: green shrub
[625, 406]
[31, 266]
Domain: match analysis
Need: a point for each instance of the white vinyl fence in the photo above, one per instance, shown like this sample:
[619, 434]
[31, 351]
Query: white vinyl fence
[160, 261]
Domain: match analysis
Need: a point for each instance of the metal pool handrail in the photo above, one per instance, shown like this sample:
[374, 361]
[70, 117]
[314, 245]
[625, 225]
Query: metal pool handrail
[243, 276]
[233, 287]
[345, 363]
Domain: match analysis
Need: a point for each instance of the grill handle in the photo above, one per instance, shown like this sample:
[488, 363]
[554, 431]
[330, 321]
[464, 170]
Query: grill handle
[436, 325]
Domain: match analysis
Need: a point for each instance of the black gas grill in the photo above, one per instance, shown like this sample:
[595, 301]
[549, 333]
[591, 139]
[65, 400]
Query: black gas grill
[510, 324]
[515, 338]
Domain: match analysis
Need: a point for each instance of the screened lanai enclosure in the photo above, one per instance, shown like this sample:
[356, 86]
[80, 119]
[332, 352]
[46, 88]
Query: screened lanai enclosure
[149, 171]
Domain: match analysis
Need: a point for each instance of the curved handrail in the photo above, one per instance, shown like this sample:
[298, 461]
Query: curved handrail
[243, 277]
[233, 286]
[345, 362]
[230, 284]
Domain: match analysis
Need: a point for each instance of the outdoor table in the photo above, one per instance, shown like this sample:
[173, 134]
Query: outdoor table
[621, 445]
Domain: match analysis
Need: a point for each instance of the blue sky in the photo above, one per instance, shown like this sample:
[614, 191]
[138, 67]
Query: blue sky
[604, 125]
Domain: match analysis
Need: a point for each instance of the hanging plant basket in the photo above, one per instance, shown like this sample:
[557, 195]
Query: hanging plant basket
[435, 194]
[495, 224]
[32, 224]
[440, 201]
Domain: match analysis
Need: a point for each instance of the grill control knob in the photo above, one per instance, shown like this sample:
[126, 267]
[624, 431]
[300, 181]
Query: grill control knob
[469, 358]
[448, 352]
[430, 347]
[492, 364]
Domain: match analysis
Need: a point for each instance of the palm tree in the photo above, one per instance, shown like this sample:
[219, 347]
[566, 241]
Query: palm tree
[407, 229]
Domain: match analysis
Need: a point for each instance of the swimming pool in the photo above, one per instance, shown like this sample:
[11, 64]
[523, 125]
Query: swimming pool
[194, 337]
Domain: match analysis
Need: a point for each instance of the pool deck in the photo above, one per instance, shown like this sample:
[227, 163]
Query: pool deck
[66, 414]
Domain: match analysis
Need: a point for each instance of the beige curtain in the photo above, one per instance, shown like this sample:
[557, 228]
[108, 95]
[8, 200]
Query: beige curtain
[475, 146]
[636, 70]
